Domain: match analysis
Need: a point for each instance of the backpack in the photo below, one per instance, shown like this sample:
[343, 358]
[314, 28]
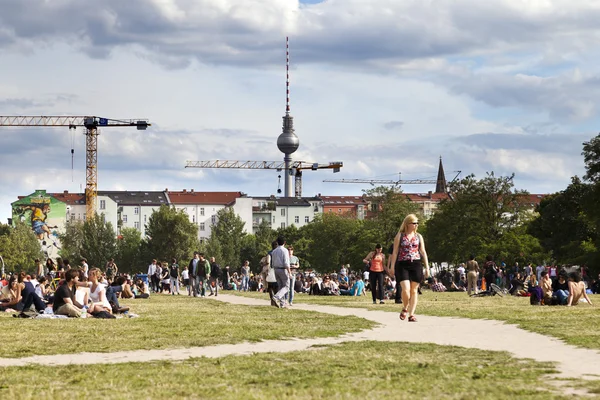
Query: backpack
[215, 270]
[109, 271]
[264, 261]
[201, 269]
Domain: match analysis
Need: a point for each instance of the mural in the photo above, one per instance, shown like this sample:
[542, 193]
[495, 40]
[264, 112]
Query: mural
[45, 215]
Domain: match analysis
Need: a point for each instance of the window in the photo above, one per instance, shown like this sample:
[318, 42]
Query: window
[193, 218]
[283, 225]
[283, 212]
[202, 227]
[136, 225]
[145, 218]
[73, 217]
[124, 218]
[339, 210]
[103, 204]
[202, 240]
[296, 219]
[136, 210]
[307, 219]
[273, 220]
[201, 210]
[213, 219]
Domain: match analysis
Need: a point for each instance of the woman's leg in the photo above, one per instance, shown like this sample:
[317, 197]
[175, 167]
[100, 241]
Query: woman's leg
[373, 282]
[412, 305]
[406, 293]
[380, 285]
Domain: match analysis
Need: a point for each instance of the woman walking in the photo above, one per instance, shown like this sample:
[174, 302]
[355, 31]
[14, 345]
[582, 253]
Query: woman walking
[376, 261]
[410, 255]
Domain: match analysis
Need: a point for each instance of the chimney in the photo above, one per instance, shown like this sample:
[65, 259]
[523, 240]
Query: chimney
[430, 194]
[184, 191]
[66, 192]
[192, 191]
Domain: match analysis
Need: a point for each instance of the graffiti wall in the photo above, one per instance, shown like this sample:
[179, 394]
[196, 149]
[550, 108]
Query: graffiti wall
[45, 215]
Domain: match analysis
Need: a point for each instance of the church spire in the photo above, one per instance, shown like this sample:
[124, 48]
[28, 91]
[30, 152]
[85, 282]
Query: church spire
[441, 186]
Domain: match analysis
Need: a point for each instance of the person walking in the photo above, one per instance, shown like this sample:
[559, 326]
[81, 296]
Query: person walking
[245, 272]
[281, 263]
[472, 273]
[376, 261]
[270, 275]
[215, 275]
[410, 257]
[193, 268]
[174, 272]
[203, 273]
[294, 265]
[152, 276]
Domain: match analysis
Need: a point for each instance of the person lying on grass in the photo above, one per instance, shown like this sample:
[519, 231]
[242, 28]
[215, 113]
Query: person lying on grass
[576, 290]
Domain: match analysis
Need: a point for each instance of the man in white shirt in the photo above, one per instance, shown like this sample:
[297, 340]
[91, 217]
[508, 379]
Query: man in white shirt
[151, 273]
[538, 271]
[85, 267]
[280, 259]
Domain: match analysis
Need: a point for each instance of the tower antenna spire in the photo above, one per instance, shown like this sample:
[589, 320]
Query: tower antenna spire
[287, 73]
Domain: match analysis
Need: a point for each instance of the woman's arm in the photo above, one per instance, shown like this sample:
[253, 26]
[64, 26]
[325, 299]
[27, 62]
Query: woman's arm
[424, 255]
[369, 257]
[585, 296]
[395, 254]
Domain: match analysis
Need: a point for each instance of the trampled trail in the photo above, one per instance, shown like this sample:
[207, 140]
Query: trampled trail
[571, 361]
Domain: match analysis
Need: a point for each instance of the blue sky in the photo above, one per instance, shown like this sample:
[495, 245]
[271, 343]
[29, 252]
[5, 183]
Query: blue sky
[386, 86]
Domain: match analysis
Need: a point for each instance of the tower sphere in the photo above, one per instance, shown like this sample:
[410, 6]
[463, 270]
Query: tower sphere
[288, 142]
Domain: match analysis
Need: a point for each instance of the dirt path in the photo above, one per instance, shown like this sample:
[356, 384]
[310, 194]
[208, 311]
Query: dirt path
[571, 361]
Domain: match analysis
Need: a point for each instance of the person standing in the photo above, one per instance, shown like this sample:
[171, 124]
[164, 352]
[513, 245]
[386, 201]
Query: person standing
[85, 267]
[472, 273]
[376, 260]
[538, 271]
[174, 272]
[152, 277]
[215, 274]
[270, 276]
[281, 264]
[203, 273]
[111, 270]
[185, 276]
[294, 265]
[193, 267]
[245, 271]
[410, 256]
[491, 271]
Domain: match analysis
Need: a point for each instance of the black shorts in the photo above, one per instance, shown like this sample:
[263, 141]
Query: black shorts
[409, 271]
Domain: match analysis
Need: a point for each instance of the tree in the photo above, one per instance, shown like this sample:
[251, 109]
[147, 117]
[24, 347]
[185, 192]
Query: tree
[72, 241]
[99, 241]
[19, 247]
[389, 208]
[478, 214]
[591, 157]
[229, 233]
[128, 250]
[563, 225]
[170, 234]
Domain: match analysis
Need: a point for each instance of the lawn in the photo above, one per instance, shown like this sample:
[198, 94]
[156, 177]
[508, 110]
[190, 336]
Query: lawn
[575, 325]
[168, 322]
[373, 370]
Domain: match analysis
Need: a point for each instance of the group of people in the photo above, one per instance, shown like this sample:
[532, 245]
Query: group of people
[70, 292]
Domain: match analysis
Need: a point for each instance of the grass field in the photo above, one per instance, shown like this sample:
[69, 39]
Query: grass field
[372, 370]
[575, 325]
[167, 322]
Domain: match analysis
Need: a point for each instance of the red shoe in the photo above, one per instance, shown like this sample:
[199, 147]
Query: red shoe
[403, 315]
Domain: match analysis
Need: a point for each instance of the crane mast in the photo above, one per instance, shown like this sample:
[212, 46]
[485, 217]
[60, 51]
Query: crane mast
[91, 124]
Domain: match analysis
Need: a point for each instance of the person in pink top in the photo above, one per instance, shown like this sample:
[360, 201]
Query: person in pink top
[410, 257]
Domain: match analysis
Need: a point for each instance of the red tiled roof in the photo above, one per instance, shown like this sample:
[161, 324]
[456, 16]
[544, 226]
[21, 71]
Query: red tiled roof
[436, 197]
[533, 199]
[189, 197]
[69, 198]
[342, 200]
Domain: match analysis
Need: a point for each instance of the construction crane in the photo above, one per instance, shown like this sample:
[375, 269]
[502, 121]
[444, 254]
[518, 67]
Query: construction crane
[91, 124]
[296, 167]
[397, 182]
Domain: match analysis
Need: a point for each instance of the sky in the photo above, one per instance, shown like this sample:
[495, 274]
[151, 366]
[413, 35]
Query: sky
[386, 86]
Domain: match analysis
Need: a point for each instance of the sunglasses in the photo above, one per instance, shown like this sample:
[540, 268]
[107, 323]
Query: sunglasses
[414, 223]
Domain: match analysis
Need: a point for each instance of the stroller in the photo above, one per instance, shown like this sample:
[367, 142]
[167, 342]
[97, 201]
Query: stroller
[493, 291]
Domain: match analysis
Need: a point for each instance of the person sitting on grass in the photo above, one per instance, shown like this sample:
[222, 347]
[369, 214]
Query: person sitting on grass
[42, 289]
[437, 286]
[97, 293]
[561, 288]
[576, 290]
[141, 290]
[517, 287]
[329, 287]
[64, 298]
[10, 295]
[546, 286]
[358, 287]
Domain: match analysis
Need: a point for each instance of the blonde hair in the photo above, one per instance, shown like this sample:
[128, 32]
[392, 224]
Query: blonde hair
[409, 218]
[95, 272]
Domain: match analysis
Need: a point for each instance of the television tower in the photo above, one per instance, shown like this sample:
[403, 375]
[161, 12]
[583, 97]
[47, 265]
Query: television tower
[288, 142]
